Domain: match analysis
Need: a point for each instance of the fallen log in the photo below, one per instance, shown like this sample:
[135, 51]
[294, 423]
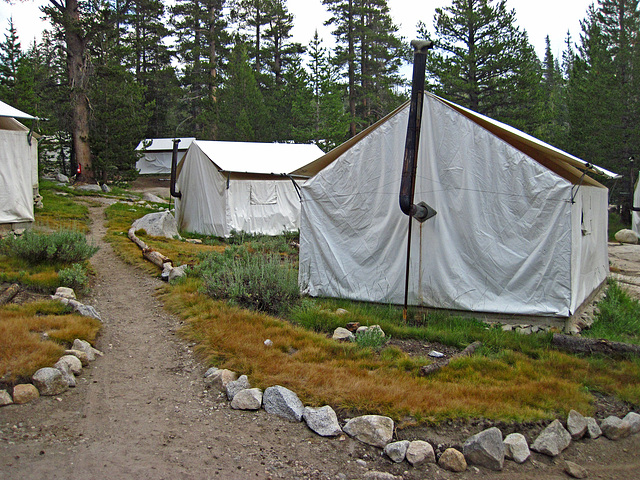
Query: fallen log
[9, 293]
[132, 236]
[156, 258]
[434, 367]
[590, 346]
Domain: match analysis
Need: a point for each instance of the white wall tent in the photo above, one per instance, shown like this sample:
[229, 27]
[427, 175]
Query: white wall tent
[240, 186]
[157, 154]
[519, 229]
[18, 167]
[635, 212]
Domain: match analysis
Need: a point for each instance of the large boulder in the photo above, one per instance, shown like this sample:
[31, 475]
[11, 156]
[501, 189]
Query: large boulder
[485, 449]
[323, 421]
[49, 381]
[283, 402]
[160, 224]
[373, 430]
[553, 440]
[150, 197]
[626, 236]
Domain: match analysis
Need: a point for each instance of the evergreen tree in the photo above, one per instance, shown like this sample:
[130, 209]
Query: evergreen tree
[553, 127]
[10, 55]
[251, 17]
[485, 62]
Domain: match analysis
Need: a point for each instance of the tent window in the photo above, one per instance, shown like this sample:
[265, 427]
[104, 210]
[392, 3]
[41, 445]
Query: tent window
[263, 194]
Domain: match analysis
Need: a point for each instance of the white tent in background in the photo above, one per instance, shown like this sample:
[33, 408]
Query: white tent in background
[157, 152]
[18, 167]
[240, 186]
[635, 212]
[520, 228]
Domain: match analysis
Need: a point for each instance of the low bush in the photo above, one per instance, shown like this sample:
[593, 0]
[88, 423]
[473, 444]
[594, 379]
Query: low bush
[64, 246]
[75, 277]
[373, 338]
[260, 282]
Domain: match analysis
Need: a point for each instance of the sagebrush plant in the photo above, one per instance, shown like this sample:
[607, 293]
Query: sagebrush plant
[63, 246]
[75, 277]
[261, 282]
[373, 337]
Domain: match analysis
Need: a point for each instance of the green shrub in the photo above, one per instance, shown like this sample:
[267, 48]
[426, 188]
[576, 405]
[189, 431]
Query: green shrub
[259, 282]
[74, 277]
[64, 246]
[373, 338]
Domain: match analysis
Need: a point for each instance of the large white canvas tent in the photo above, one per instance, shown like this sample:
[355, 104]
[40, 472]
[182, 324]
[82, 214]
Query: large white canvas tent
[18, 167]
[520, 228]
[156, 154]
[241, 186]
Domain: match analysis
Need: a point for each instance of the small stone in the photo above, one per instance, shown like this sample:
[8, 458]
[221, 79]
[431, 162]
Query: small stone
[353, 326]
[49, 381]
[248, 399]
[614, 428]
[220, 378]
[626, 236]
[5, 398]
[80, 355]
[553, 440]
[283, 402]
[576, 425]
[574, 470]
[210, 372]
[342, 335]
[397, 451]
[516, 448]
[593, 430]
[420, 452]
[73, 362]
[65, 292]
[375, 430]
[633, 419]
[452, 460]
[235, 386]
[341, 311]
[268, 343]
[323, 421]
[485, 449]
[25, 393]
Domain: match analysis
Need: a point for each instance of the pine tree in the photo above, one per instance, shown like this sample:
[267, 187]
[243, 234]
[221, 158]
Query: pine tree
[553, 127]
[251, 17]
[10, 55]
[485, 62]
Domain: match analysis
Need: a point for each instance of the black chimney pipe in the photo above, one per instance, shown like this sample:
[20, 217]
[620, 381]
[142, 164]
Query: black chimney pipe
[407, 186]
[174, 164]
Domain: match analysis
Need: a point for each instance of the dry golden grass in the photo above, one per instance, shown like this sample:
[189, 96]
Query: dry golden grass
[22, 347]
[347, 377]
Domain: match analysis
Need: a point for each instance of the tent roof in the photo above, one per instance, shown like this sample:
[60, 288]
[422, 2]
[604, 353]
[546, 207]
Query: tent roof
[9, 111]
[263, 158]
[163, 144]
[564, 164]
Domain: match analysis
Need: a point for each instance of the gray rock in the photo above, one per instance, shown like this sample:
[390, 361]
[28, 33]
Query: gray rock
[283, 402]
[88, 188]
[574, 470]
[420, 452]
[5, 398]
[66, 373]
[323, 421]
[593, 430]
[452, 460]
[160, 224]
[342, 334]
[248, 399]
[576, 425]
[234, 386]
[73, 363]
[485, 449]
[614, 428]
[210, 372]
[341, 311]
[397, 451]
[65, 292]
[516, 448]
[84, 346]
[61, 178]
[633, 419]
[220, 378]
[150, 197]
[82, 356]
[177, 272]
[49, 381]
[626, 236]
[86, 310]
[373, 430]
[553, 440]
[25, 393]
[105, 188]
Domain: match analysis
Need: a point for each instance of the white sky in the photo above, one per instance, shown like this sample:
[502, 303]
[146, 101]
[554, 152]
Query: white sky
[538, 17]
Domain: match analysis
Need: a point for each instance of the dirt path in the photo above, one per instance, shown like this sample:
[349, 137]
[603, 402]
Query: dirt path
[142, 411]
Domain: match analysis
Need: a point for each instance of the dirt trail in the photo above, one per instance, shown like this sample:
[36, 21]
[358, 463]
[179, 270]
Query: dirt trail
[142, 411]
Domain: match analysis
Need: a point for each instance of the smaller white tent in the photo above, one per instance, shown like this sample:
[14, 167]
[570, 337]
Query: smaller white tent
[18, 167]
[157, 154]
[241, 186]
[635, 212]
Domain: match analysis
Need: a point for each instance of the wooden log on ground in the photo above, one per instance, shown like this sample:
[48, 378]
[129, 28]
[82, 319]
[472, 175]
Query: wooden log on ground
[155, 257]
[590, 346]
[434, 367]
[9, 293]
[132, 236]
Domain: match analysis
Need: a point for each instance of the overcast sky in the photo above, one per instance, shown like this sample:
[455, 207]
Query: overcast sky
[538, 17]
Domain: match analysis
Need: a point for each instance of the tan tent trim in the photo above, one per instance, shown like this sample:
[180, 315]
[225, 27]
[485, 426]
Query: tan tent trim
[314, 167]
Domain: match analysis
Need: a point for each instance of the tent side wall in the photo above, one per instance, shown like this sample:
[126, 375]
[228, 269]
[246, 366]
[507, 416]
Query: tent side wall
[203, 205]
[268, 206]
[153, 163]
[589, 232]
[500, 243]
[18, 176]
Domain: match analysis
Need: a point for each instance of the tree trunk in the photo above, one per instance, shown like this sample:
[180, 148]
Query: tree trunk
[9, 293]
[77, 68]
[590, 346]
[352, 72]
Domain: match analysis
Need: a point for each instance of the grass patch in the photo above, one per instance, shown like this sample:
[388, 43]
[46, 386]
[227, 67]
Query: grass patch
[23, 349]
[615, 224]
[617, 317]
[61, 211]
